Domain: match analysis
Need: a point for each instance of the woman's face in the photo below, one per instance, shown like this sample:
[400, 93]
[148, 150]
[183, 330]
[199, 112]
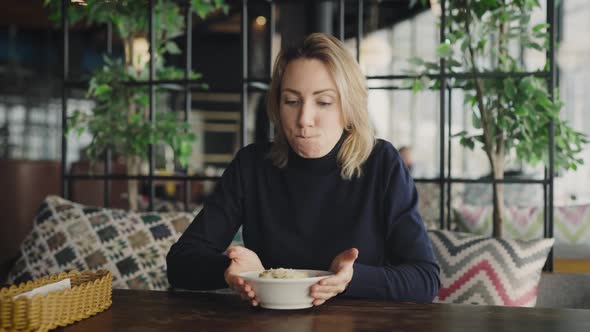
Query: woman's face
[310, 108]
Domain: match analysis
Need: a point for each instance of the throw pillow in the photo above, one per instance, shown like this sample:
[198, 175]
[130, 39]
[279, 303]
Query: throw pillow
[178, 206]
[571, 222]
[429, 202]
[515, 194]
[524, 223]
[484, 270]
[133, 246]
[163, 205]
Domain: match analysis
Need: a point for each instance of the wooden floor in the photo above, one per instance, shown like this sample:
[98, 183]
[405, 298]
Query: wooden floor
[568, 265]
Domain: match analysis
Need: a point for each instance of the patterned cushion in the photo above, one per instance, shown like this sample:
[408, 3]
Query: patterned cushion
[163, 205]
[429, 202]
[133, 246]
[514, 194]
[178, 206]
[483, 270]
[571, 223]
[524, 223]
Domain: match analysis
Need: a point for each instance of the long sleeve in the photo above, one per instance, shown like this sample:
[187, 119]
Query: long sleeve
[411, 273]
[196, 261]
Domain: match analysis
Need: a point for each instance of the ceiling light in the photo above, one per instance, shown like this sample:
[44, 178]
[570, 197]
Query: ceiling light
[261, 20]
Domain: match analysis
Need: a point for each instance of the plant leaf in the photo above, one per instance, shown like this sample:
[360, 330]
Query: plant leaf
[172, 48]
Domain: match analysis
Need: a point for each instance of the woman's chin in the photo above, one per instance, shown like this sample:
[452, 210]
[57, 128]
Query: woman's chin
[309, 153]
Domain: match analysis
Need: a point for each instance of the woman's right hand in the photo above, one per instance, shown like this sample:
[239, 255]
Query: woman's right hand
[242, 260]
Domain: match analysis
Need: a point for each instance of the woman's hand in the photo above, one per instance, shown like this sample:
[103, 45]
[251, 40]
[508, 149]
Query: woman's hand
[242, 260]
[342, 266]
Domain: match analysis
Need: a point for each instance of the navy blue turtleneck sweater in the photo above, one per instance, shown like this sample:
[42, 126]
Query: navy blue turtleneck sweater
[303, 215]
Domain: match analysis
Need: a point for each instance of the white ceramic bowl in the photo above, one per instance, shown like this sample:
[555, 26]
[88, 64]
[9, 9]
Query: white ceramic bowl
[284, 293]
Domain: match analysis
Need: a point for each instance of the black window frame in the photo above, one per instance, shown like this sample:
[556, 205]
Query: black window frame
[252, 84]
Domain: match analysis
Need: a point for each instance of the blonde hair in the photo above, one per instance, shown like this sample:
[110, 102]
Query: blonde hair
[352, 88]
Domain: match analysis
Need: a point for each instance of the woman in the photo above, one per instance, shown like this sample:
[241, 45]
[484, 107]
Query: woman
[324, 195]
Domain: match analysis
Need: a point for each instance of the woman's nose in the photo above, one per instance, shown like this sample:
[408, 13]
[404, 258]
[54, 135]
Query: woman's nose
[306, 115]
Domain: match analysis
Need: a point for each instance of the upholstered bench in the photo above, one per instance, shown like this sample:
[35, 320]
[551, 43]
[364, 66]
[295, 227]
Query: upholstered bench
[474, 269]
[564, 290]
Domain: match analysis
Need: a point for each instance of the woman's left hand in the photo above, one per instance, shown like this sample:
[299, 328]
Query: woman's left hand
[342, 266]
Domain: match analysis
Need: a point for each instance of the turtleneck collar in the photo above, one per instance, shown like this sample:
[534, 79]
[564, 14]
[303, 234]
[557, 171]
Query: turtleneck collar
[322, 164]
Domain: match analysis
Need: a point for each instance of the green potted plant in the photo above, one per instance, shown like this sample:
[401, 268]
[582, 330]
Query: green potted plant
[508, 114]
[120, 120]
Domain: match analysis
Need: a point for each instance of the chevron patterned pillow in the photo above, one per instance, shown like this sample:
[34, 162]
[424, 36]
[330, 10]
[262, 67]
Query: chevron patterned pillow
[484, 270]
[572, 222]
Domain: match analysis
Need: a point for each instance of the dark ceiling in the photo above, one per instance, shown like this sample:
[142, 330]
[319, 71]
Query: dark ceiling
[30, 46]
[30, 14]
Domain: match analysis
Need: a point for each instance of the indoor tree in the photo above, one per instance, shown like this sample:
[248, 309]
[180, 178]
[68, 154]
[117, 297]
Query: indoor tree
[508, 113]
[120, 121]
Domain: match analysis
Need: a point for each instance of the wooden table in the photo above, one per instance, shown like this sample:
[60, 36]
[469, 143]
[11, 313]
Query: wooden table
[189, 311]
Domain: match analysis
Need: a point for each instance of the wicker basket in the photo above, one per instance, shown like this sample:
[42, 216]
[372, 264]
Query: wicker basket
[91, 293]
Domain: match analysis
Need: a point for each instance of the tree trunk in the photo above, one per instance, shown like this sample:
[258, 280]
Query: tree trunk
[498, 193]
[498, 153]
[132, 163]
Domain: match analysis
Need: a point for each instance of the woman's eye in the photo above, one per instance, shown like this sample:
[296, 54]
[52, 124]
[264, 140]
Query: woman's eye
[324, 104]
[291, 102]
